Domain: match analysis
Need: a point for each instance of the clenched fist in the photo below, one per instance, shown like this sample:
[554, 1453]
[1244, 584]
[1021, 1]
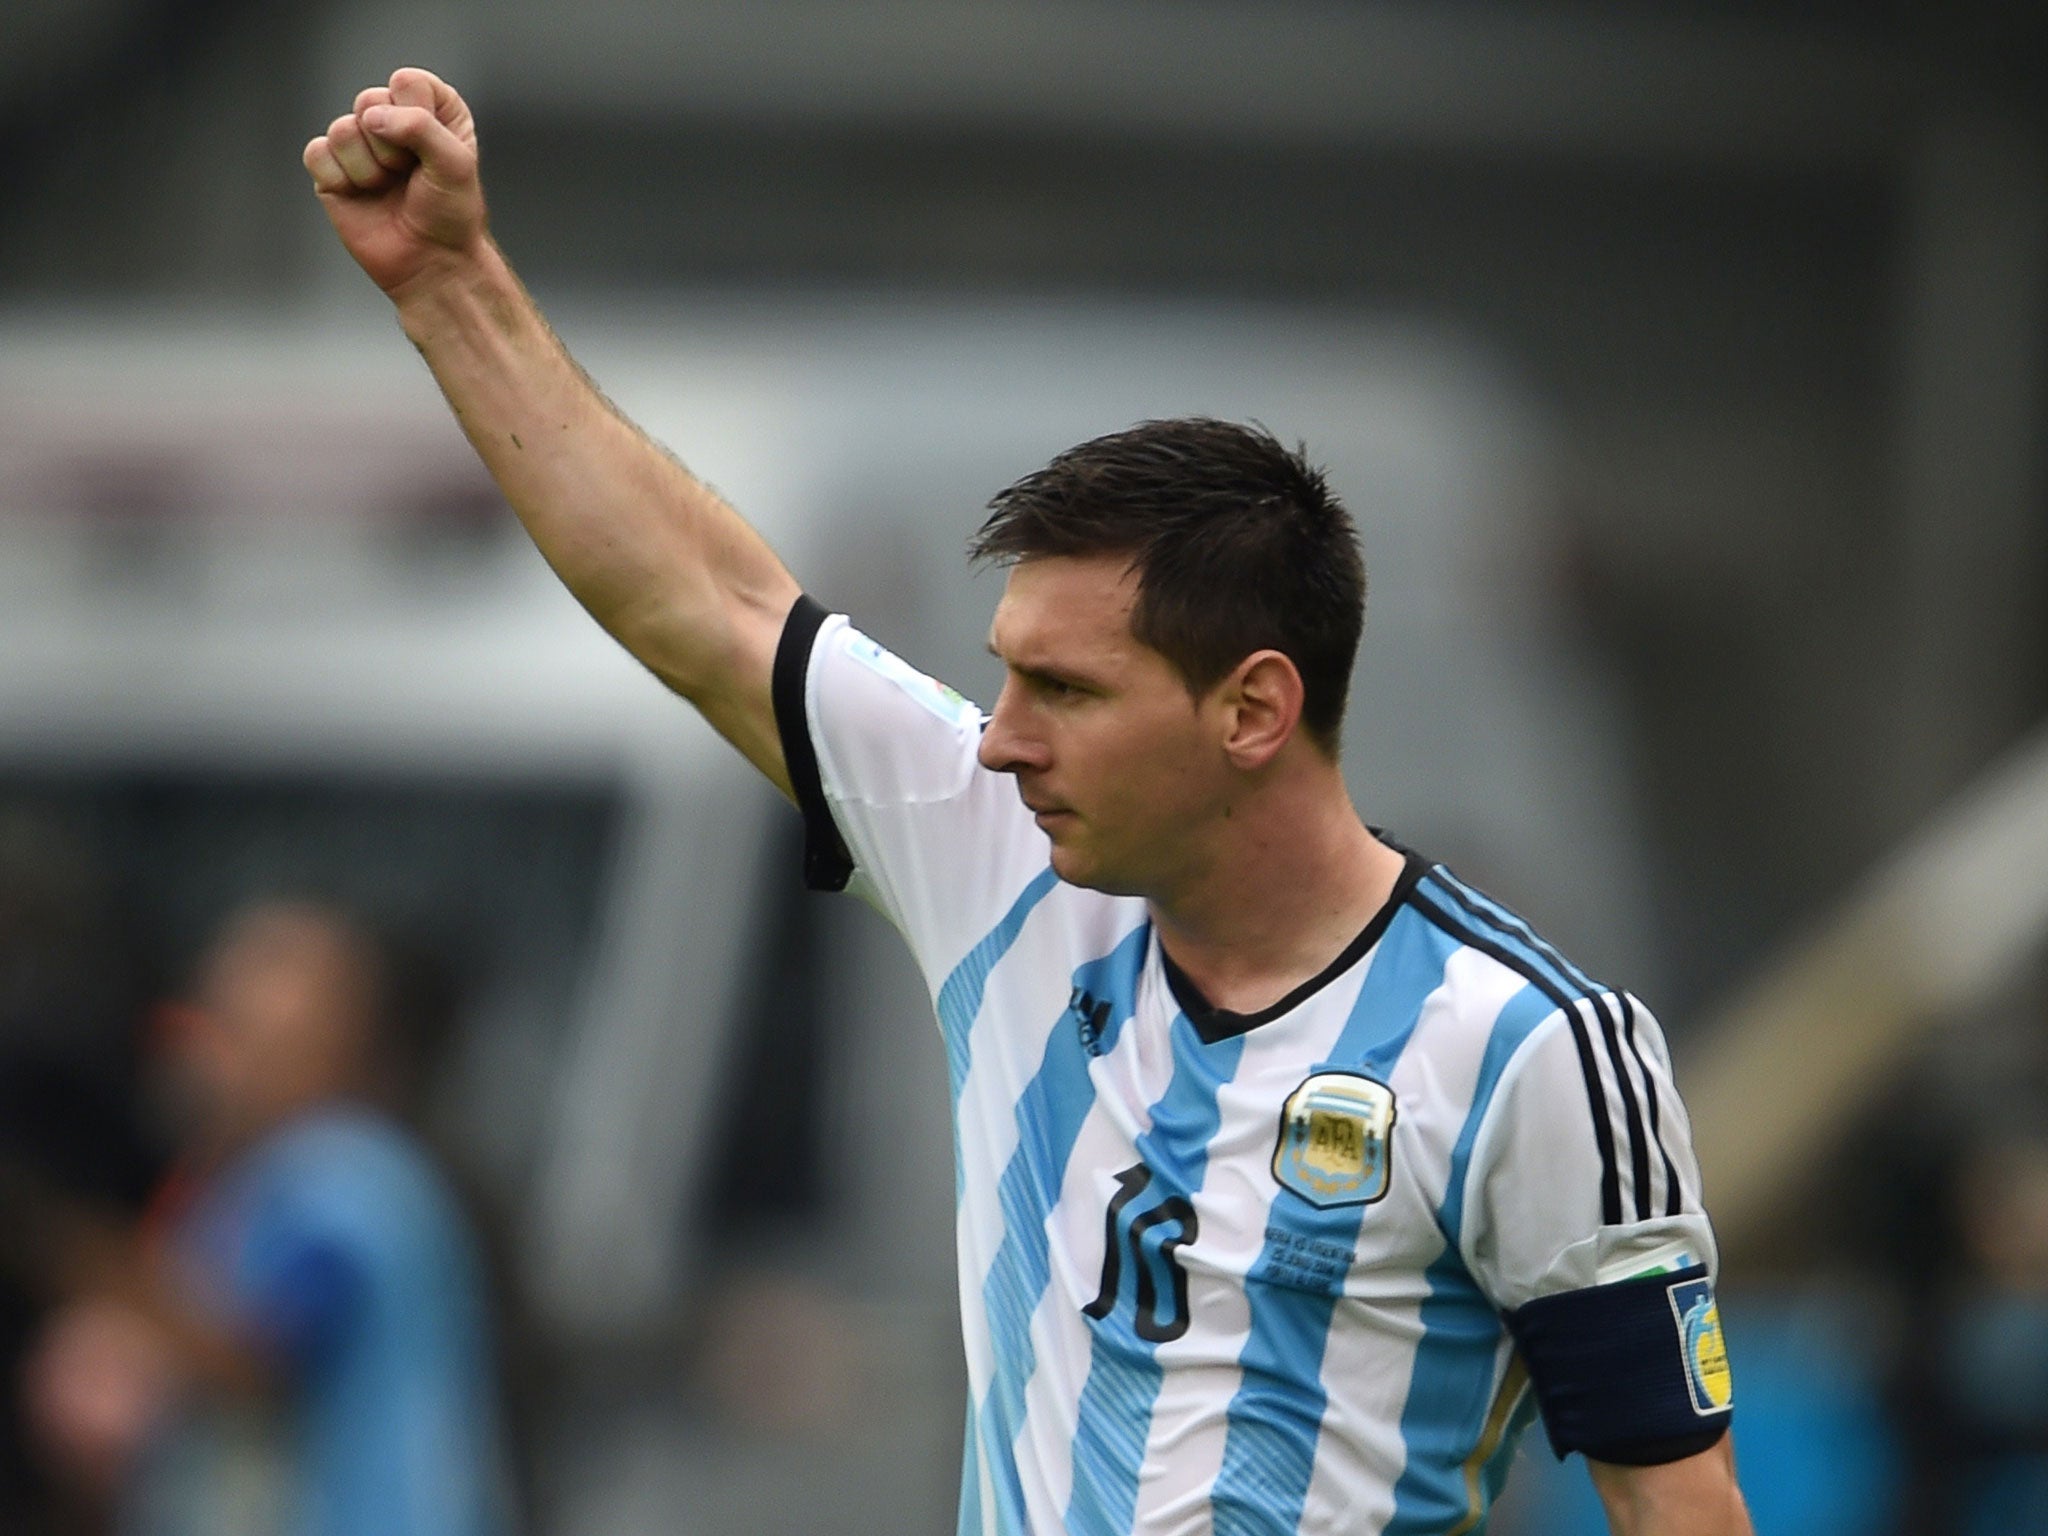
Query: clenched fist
[398, 177]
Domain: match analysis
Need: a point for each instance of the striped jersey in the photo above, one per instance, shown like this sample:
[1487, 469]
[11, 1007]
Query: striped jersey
[1219, 1272]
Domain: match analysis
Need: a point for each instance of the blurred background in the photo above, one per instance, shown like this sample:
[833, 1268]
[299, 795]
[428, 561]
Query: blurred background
[1685, 365]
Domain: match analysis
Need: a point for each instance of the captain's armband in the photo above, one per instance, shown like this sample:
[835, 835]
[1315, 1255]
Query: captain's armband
[1633, 1372]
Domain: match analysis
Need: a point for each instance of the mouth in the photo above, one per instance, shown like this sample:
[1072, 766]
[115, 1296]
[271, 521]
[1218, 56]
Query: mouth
[1045, 815]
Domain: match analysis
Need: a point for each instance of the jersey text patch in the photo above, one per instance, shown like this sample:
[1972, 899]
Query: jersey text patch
[1705, 1353]
[934, 695]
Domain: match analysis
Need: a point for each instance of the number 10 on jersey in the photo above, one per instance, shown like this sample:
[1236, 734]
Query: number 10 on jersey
[1147, 1236]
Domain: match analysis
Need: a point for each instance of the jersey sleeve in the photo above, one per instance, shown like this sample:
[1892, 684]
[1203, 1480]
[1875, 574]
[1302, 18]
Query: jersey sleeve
[294, 1278]
[897, 807]
[1585, 1228]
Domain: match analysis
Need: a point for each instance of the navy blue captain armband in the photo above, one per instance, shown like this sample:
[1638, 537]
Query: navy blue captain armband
[1634, 1372]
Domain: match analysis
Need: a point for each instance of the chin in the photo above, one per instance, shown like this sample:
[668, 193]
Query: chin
[1074, 868]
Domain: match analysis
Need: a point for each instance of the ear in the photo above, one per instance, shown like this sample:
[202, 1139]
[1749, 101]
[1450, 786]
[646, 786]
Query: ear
[1262, 698]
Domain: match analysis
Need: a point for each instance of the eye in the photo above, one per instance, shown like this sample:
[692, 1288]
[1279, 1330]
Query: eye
[1051, 687]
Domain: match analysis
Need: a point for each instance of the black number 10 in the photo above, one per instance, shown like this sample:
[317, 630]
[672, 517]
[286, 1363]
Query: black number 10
[1116, 1236]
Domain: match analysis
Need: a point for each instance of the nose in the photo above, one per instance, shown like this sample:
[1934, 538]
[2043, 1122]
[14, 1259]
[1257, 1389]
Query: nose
[1007, 746]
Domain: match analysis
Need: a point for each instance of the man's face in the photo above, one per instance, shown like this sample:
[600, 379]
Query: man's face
[279, 1022]
[1121, 765]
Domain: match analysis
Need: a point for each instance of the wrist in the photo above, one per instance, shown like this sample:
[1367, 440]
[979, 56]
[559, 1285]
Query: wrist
[454, 290]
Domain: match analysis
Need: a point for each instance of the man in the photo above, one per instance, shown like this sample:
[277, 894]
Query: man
[1285, 1162]
[306, 1267]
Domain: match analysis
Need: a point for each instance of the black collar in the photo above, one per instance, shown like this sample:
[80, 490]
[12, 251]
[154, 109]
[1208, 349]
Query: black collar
[1217, 1024]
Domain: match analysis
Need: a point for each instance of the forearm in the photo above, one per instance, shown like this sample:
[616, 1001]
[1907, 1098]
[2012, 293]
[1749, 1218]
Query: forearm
[1694, 1497]
[651, 551]
[657, 557]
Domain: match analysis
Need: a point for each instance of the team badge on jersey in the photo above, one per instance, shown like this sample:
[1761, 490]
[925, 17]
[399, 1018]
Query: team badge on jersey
[1707, 1376]
[1336, 1140]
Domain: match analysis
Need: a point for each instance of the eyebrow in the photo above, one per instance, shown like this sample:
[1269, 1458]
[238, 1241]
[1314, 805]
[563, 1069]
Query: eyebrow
[1045, 674]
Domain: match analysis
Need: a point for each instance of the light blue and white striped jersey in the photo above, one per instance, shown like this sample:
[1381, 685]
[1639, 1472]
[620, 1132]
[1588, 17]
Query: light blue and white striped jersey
[1236, 1273]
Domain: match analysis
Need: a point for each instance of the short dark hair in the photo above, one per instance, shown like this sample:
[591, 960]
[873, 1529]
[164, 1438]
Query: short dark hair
[1238, 544]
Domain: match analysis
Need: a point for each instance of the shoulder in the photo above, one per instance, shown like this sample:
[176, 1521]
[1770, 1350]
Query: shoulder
[885, 766]
[1500, 952]
[349, 1169]
[878, 726]
[1512, 1004]
[1574, 1094]
[946, 704]
[344, 1137]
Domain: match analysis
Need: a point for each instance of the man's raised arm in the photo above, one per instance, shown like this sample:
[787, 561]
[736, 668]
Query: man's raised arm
[654, 554]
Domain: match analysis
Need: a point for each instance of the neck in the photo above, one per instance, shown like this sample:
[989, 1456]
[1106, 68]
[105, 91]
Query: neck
[1293, 877]
[237, 1129]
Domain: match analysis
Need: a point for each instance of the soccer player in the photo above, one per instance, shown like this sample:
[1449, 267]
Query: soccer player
[1294, 1176]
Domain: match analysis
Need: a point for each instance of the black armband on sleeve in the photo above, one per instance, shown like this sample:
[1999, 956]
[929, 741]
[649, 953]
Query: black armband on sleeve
[827, 864]
[1634, 1372]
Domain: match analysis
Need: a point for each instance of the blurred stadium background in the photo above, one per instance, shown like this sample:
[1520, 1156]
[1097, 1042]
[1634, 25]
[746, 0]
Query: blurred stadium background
[1686, 366]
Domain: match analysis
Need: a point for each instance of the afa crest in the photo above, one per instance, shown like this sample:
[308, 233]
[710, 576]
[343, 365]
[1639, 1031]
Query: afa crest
[1705, 1352]
[1336, 1140]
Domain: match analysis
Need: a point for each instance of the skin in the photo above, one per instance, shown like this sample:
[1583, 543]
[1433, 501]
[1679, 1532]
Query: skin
[656, 556]
[284, 1022]
[1215, 807]
[1694, 1497]
[1231, 822]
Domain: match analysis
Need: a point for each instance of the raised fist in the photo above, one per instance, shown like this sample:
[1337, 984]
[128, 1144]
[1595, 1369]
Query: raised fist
[398, 178]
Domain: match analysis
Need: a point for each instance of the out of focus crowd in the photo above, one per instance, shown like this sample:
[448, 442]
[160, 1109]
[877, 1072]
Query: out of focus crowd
[239, 1295]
